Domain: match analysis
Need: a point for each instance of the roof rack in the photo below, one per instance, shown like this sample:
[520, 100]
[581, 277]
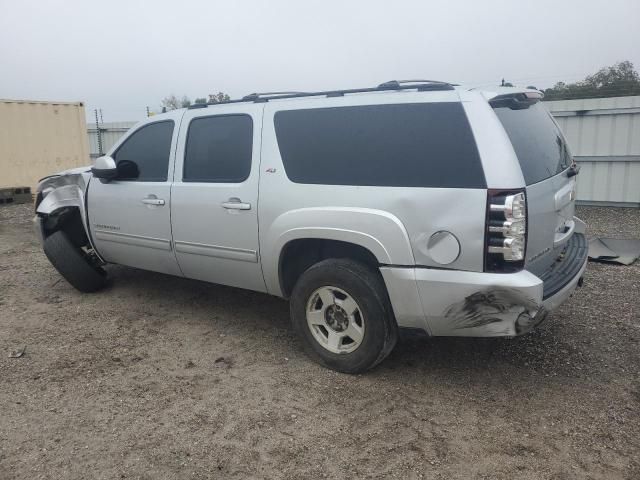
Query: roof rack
[420, 85]
[254, 97]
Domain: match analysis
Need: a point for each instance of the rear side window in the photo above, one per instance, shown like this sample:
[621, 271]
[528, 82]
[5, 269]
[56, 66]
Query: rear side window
[219, 149]
[144, 156]
[537, 141]
[400, 145]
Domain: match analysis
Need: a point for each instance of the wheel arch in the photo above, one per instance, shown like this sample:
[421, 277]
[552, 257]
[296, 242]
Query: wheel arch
[300, 254]
[372, 236]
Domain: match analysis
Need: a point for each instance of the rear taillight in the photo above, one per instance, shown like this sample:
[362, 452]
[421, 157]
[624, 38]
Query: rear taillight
[506, 231]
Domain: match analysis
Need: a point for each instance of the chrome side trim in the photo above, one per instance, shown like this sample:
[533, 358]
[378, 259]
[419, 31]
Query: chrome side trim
[217, 251]
[136, 240]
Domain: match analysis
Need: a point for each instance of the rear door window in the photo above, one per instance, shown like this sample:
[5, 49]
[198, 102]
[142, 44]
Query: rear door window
[537, 141]
[219, 149]
[399, 145]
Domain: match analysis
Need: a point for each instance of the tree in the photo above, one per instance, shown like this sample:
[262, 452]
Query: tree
[618, 80]
[172, 102]
[218, 97]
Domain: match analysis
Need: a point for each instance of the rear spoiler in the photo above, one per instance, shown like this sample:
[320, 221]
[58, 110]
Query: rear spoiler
[516, 101]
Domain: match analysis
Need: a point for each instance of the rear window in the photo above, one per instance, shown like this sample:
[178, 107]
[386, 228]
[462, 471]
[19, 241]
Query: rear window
[400, 145]
[537, 141]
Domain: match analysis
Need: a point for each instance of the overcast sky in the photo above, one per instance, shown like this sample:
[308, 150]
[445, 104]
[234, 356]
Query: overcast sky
[124, 55]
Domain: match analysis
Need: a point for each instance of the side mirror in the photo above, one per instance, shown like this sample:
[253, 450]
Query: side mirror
[105, 169]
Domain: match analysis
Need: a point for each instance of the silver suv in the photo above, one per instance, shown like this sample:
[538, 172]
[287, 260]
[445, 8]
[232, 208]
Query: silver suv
[412, 205]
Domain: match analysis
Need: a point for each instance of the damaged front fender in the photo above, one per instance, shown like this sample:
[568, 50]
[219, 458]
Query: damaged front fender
[66, 189]
[59, 193]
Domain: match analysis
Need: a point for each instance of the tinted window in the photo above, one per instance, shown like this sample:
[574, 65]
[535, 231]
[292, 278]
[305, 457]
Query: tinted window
[537, 141]
[144, 156]
[219, 149]
[405, 145]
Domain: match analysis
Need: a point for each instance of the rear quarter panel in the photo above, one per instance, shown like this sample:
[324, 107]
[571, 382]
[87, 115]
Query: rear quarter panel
[394, 223]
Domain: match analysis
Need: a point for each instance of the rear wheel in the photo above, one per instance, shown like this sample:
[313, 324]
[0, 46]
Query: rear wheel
[73, 263]
[341, 311]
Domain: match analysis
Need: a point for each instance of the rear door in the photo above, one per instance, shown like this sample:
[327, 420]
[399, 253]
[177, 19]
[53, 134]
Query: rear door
[129, 217]
[545, 160]
[215, 196]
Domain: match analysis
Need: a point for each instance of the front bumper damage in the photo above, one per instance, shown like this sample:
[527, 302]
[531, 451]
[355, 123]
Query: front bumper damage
[477, 304]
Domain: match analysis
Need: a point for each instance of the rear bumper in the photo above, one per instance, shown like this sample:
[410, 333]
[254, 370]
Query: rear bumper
[559, 297]
[477, 304]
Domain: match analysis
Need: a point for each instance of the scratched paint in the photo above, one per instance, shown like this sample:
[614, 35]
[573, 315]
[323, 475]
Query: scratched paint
[495, 311]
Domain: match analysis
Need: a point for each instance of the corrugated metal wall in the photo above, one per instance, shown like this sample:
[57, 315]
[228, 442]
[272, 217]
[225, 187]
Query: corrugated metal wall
[38, 139]
[604, 135]
[110, 133]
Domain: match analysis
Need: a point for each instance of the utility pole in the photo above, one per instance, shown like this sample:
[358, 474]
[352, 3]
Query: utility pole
[99, 133]
[148, 113]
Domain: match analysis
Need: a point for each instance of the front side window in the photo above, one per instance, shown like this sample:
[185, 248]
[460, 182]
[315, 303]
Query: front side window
[144, 156]
[398, 145]
[219, 149]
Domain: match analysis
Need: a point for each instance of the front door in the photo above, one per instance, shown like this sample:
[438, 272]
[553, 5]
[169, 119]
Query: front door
[129, 217]
[215, 196]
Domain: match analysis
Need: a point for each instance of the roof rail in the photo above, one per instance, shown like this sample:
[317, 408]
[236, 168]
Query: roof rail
[253, 97]
[420, 85]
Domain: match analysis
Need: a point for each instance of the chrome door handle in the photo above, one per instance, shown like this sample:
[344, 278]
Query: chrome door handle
[153, 201]
[236, 204]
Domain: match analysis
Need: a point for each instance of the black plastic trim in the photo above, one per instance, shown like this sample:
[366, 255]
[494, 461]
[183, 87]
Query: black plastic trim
[568, 265]
[516, 101]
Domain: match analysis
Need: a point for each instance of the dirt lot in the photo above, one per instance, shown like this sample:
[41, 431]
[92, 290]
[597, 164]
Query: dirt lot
[161, 377]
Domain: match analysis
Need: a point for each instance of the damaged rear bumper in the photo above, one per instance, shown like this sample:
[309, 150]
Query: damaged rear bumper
[477, 304]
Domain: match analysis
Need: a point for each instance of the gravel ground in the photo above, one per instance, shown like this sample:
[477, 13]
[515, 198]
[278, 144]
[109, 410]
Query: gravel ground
[161, 377]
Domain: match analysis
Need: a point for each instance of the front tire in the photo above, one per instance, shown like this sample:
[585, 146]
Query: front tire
[341, 311]
[72, 263]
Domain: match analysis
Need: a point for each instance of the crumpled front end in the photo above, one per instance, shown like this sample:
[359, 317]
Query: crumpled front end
[57, 196]
[64, 189]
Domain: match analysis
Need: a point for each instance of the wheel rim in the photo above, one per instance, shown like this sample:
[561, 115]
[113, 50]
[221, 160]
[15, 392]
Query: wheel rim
[335, 320]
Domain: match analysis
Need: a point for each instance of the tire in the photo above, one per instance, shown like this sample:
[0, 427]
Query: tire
[73, 264]
[338, 281]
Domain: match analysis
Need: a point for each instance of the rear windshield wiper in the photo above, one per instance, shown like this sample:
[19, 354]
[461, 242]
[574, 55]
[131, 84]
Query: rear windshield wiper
[573, 170]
